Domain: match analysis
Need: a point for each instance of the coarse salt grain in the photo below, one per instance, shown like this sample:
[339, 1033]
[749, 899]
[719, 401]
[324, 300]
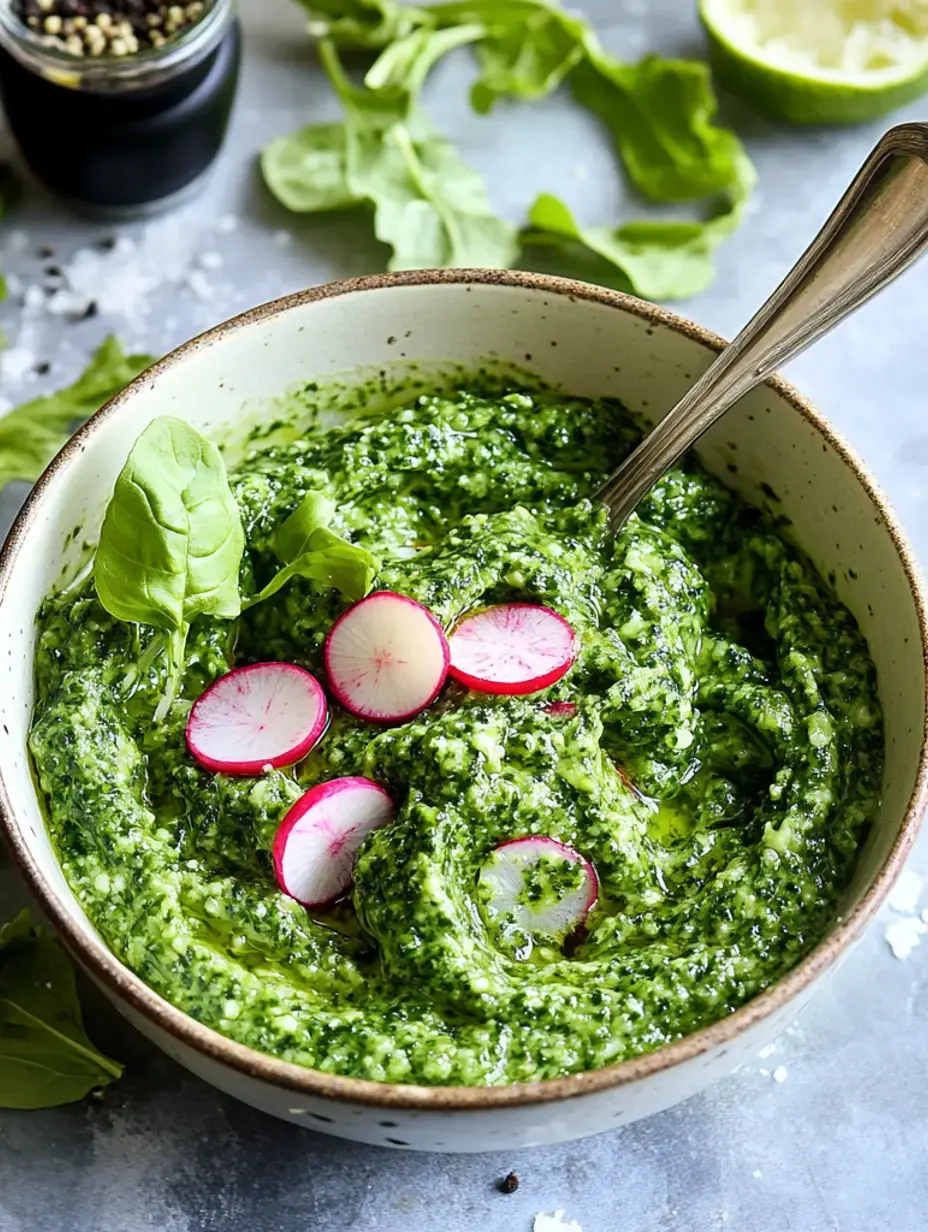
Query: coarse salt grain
[780, 1073]
[906, 892]
[554, 1223]
[905, 935]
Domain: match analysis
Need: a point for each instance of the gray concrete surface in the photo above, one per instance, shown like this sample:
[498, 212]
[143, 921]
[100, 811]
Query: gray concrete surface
[842, 1141]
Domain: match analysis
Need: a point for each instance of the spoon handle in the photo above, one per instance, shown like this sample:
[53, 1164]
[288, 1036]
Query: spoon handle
[877, 230]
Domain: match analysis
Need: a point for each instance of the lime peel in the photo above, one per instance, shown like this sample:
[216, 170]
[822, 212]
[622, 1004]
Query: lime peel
[832, 62]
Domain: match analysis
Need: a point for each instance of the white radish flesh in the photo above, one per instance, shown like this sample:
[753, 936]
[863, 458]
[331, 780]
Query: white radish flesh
[317, 842]
[506, 883]
[512, 648]
[266, 714]
[386, 658]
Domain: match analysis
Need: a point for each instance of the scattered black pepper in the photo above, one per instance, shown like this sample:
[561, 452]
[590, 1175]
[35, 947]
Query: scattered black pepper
[54, 271]
[90, 311]
[509, 1183]
[99, 28]
[108, 243]
[43, 368]
[46, 251]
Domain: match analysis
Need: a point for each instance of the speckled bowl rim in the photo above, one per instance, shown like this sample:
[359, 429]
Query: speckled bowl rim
[113, 975]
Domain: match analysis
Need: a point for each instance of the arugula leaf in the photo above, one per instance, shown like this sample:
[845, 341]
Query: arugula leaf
[433, 211]
[309, 549]
[46, 1058]
[428, 206]
[362, 23]
[172, 540]
[32, 434]
[660, 260]
[405, 64]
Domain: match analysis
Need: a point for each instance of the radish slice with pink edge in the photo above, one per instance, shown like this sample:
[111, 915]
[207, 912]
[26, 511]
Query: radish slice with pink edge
[507, 882]
[386, 658]
[266, 714]
[512, 648]
[317, 841]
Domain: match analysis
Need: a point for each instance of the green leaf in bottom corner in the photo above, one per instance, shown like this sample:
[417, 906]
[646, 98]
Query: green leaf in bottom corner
[31, 434]
[46, 1058]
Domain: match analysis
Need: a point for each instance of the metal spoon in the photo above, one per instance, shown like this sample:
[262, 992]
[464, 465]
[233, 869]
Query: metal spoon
[878, 229]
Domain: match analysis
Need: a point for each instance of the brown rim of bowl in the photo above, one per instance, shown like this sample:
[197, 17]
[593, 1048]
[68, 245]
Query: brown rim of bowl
[111, 973]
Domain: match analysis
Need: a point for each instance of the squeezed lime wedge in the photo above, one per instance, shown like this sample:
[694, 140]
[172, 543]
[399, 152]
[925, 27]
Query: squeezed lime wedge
[820, 61]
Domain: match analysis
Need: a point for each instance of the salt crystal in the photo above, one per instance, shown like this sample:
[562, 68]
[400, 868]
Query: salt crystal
[226, 224]
[34, 298]
[766, 1052]
[554, 1223]
[903, 936]
[67, 304]
[199, 284]
[904, 895]
[211, 260]
[780, 1073]
[757, 1174]
[15, 363]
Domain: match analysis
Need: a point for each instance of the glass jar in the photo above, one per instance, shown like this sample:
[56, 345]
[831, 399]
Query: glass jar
[122, 135]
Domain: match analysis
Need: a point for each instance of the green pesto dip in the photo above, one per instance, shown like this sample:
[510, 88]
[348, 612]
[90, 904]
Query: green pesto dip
[719, 770]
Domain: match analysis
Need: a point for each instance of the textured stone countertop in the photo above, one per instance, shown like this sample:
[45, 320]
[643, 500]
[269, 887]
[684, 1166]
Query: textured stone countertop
[828, 1132]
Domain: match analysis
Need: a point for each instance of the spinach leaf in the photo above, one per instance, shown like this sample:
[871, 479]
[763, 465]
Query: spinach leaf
[655, 259]
[31, 434]
[309, 549]
[172, 540]
[46, 1058]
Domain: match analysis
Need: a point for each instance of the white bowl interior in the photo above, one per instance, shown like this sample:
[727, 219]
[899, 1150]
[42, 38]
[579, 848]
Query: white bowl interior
[588, 347]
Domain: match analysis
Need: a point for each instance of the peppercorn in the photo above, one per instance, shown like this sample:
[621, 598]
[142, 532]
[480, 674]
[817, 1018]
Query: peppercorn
[108, 27]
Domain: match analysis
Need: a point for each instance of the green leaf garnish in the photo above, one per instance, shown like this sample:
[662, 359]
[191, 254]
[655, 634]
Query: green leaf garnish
[172, 540]
[310, 550]
[32, 434]
[46, 1058]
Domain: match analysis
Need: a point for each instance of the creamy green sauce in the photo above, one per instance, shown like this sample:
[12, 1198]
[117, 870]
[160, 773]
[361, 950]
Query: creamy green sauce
[716, 669]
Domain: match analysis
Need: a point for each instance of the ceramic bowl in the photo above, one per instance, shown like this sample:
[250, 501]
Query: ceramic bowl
[589, 341]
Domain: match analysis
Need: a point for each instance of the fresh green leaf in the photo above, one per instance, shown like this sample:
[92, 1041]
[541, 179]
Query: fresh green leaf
[405, 64]
[172, 540]
[428, 206]
[314, 512]
[331, 561]
[46, 1058]
[362, 23]
[306, 171]
[32, 434]
[528, 49]
[659, 114]
[309, 549]
[661, 260]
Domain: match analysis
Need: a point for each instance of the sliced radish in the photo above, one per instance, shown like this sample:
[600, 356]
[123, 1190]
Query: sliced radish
[386, 658]
[316, 843]
[508, 885]
[566, 710]
[266, 714]
[512, 648]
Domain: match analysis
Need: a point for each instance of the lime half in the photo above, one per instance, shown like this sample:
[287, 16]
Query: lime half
[820, 61]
